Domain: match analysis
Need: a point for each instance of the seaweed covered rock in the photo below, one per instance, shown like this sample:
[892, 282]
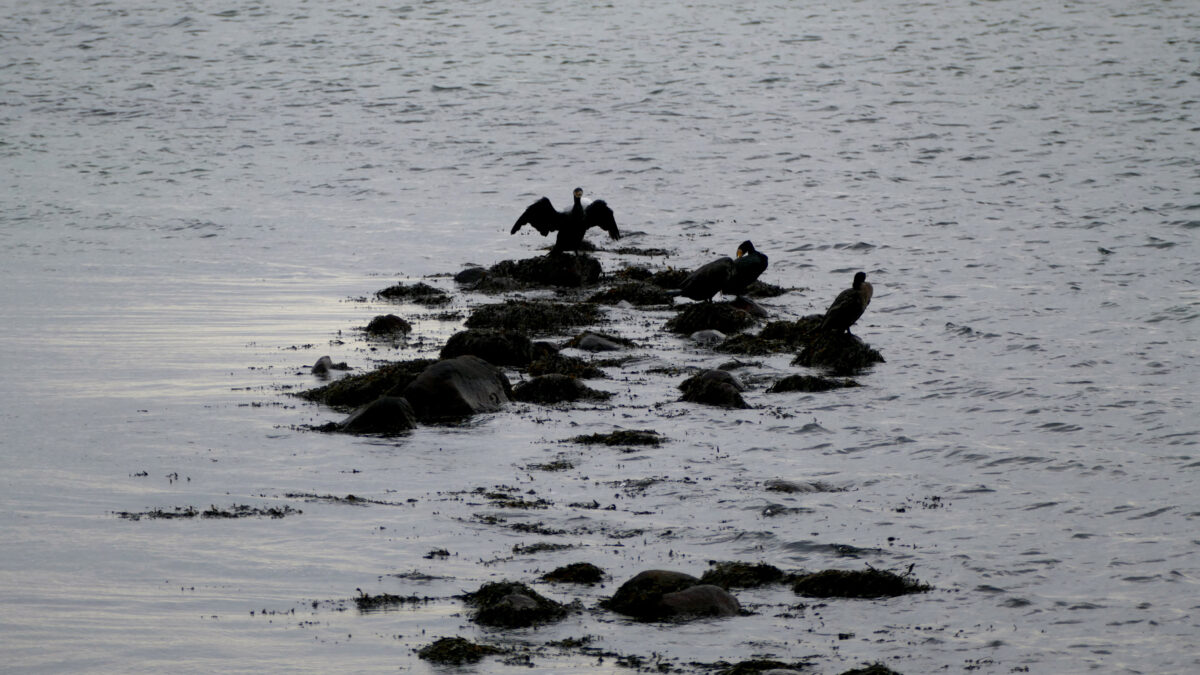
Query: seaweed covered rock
[532, 316]
[638, 293]
[868, 583]
[775, 337]
[384, 415]
[353, 391]
[663, 594]
[419, 293]
[871, 669]
[590, 341]
[498, 347]
[565, 365]
[388, 325]
[741, 575]
[809, 383]
[765, 667]
[456, 651]
[721, 316]
[510, 604]
[668, 279]
[622, 437]
[555, 388]
[325, 364]
[840, 353]
[576, 573]
[458, 387]
[714, 387]
[550, 270]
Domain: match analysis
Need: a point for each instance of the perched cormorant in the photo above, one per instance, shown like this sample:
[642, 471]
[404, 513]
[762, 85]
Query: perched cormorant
[750, 263]
[570, 224]
[848, 306]
[724, 275]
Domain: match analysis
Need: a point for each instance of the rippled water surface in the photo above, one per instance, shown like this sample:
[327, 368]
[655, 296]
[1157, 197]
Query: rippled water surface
[200, 200]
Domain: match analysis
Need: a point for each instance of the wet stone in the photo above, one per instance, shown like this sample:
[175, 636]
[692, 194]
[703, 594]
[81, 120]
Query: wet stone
[532, 316]
[384, 415]
[458, 387]
[456, 651]
[419, 293]
[555, 388]
[869, 583]
[872, 669]
[509, 604]
[714, 387]
[576, 573]
[720, 316]
[325, 364]
[742, 575]
[840, 353]
[497, 347]
[388, 325]
[353, 391]
[662, 594]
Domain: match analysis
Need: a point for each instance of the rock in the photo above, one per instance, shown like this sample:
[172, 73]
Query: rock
[741, 575]
[636, 293]
[872, 669]
[458, 387]
[384, 415]
[809, 383]
[701, 600]
[554, 388]
[576, 573]
[420, 293]
[532, 316]
[510, 604]
[599, 342]
[622, 437]
[708, 338]
[388, 325]
[766, 667]
[869, 583]
[456, 651]
[720, 316]
[470, 275]
[356, 390]
[840, 353]
[498, 347]
[550, 270]
[565, 365]
[714, 387]
[663, 594]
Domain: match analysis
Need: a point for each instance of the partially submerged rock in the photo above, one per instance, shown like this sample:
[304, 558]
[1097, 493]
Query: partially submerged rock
[622, 437]
[386, 325]
[765, 667]
[638, 293]
[742, 575]
[868, 583]
[532, 316]
[456, 651]
[458, 387]
[871, 669]
[809, 383]
[498, 347]
[353, 391]
[714, 387]
[571, 270]
[510, 604]
[384, 415]
[419, 293]
[775, 337]
[326, 364]
[576, 573]
[555, 388]
[590, 341]
[840, 353]
[663, 594]
[721, 316]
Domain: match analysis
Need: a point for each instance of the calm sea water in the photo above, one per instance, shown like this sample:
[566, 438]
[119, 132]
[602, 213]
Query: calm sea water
[197, 200]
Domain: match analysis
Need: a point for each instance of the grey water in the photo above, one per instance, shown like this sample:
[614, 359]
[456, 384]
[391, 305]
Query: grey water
[199, 200]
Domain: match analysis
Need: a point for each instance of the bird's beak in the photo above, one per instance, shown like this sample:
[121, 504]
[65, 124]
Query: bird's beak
[740, 253]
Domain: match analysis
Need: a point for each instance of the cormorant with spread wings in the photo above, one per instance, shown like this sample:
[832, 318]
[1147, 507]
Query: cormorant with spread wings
[570, 224]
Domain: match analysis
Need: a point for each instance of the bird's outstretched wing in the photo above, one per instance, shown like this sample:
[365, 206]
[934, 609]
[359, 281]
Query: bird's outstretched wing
[598, 214]
[541, 215]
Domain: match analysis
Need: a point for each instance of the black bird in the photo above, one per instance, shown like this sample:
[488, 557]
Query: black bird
[848, 306]
[570, 224]
[749, 264]
[724, 275]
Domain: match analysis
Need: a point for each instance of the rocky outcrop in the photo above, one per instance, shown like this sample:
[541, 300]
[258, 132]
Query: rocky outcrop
[458, 387]
[714, 387]
[663, 594]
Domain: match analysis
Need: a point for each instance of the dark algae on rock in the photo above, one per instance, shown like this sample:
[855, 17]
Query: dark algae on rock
[532, 316]
[809, 383]
[510, 604]
[622, 437]
[355, 390]
[840, 353]
[868, 583]
[456, 651]
[741, 574]
[576, 573]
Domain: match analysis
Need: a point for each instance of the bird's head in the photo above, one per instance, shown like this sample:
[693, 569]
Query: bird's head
[859, 278]
[744, 248]
[578, 193]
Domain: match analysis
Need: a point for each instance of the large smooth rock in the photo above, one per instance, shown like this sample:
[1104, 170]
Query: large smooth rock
[663, 594]
[701, 600]
[384, 415]
[458, 387]
[498, 347]
[714, 387]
